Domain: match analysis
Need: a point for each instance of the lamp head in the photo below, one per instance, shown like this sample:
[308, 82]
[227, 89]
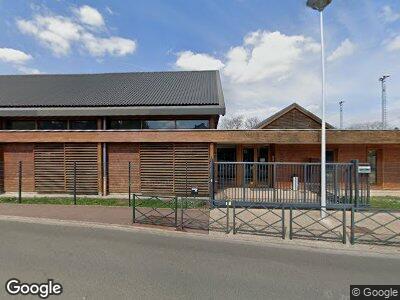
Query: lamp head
[318, 4]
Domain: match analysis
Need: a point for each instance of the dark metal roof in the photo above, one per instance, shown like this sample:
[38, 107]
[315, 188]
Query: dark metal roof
[143, 89]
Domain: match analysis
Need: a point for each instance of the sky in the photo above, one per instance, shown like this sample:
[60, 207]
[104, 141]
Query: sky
[267, 52]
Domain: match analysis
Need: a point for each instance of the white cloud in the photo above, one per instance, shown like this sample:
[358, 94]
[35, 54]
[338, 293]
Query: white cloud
[187, 60]
[114, 45]
[388, 15]
[27, 70]
[346, 48]
[90, 16]
[10, 55]
[60, 34]
[394, 44]
[55, 32]
[267, 55]
[267, 71]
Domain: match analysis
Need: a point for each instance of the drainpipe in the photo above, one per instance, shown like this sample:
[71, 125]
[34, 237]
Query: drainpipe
[104, 161]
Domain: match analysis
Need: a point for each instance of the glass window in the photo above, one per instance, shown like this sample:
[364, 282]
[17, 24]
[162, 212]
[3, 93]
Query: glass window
[83, 124]
[372, 160]
[192, 124]
[158, 124]
[52, 125]
[20, 125]
[124, 124]
[330, 156]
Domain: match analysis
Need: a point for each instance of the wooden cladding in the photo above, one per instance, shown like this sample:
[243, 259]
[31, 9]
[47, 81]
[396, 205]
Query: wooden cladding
[85, 156]
[49, 168]
[54, 168]
[163, 168]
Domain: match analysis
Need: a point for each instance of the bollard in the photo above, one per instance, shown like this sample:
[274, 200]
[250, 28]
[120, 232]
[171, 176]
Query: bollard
[129, 184]
[133, 208]
[74, 182]
[20, 182]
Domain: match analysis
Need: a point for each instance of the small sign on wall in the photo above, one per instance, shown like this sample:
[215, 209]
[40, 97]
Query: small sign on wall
[364, 169]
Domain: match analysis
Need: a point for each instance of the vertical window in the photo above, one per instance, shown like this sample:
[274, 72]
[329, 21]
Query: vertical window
[83, 124]
[372, 160]
[124, 124]
[158, 124]
[192, 124]
[20, 125]
[52, 125]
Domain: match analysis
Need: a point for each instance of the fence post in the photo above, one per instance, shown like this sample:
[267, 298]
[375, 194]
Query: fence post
[212, 175]
[274, 176]
[244, 182]
[234, 217]
[305, 182]
[176, 211]
[283, 222]
[356, 181]
[20, 182]
[182, 214]
[227, 217]
[129, 183]
[352, 226]
[74, 182]
[344, 225]
[290, 223]
[133, 208]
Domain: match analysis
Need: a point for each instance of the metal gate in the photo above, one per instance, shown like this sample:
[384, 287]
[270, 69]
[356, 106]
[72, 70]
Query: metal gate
[281, 182]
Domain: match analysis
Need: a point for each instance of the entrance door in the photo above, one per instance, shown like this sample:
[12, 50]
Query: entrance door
[248, 156]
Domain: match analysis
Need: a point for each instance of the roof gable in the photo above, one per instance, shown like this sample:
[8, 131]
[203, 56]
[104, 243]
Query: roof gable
[293, 116]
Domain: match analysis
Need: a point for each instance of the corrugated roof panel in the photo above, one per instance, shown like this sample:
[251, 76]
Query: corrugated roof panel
[111, 89]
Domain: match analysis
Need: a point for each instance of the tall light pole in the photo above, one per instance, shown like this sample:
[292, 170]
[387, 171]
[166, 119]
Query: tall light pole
[384, 103]
[320, 5]
[341, 113]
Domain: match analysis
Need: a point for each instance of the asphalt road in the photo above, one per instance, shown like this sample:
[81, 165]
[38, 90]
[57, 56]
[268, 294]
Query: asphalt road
[93, 263]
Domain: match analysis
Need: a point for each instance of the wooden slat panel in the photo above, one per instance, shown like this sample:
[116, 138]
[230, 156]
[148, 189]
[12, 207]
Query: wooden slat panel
[49, 168]
[157, 168]
[85, 156]
[163, 168]
[196, 157]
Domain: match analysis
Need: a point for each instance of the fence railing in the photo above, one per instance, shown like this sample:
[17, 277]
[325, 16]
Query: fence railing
[375, 226]
[308, 221]
[280, 182]
[337, 222]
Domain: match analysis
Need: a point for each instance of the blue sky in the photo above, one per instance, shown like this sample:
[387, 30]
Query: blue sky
[267, 51]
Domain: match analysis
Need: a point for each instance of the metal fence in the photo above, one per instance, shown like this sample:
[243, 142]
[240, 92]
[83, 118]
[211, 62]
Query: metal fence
[259, 218]
[309, 222]
[279, 182]
[375, 226]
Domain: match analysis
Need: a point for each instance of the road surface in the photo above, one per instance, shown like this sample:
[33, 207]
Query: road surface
[96, 263]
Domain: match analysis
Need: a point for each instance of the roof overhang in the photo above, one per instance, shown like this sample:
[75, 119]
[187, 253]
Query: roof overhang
[113, 111]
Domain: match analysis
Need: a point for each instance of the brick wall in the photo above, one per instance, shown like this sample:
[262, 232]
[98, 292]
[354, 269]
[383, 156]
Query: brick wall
[391, 166]
[13, 153]
[118, 157]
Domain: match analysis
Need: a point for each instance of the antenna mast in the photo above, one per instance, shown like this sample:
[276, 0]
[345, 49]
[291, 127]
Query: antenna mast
[384, 103]
[341, 113]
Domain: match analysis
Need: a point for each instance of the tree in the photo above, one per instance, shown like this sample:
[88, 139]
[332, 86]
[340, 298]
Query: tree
[367, 126]
[251, 122]
[235, 122]
[238, 122]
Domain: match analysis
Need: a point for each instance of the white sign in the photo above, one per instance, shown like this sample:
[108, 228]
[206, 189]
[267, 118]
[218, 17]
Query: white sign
[364, 169]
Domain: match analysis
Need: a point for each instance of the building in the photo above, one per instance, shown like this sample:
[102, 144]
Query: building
[165, 125]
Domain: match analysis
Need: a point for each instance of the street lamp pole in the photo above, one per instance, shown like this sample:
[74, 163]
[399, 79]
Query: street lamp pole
[320, 6]
[323, 126]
